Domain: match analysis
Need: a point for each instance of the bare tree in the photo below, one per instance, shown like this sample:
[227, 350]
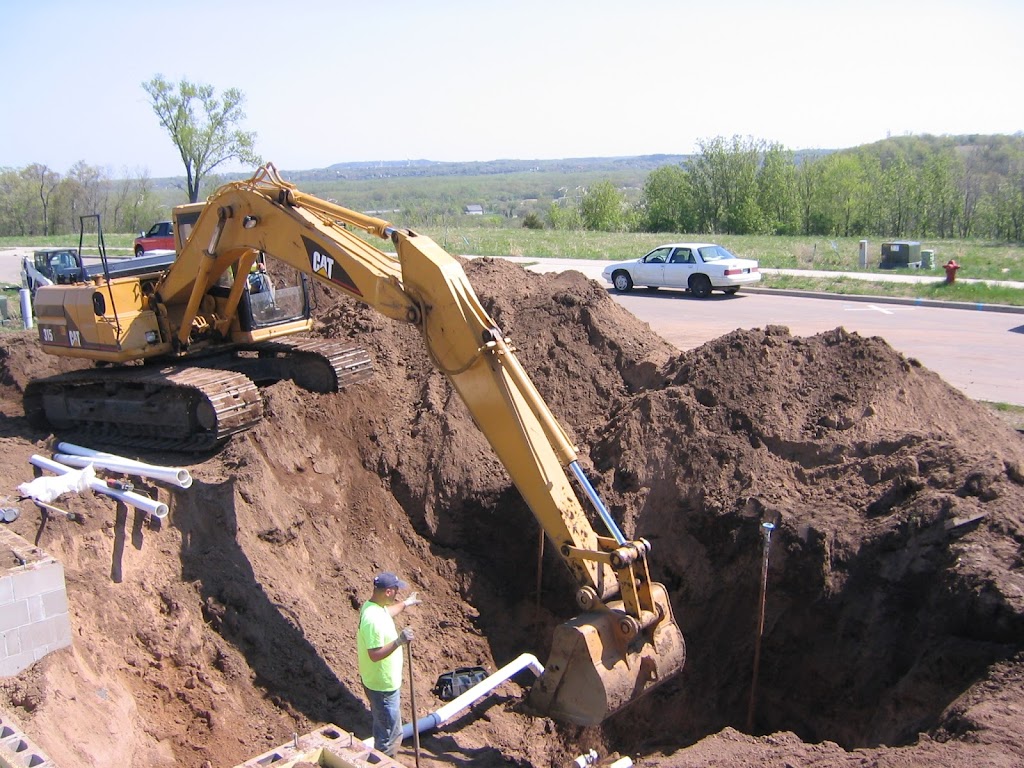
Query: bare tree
[46, 181]
[207, 140]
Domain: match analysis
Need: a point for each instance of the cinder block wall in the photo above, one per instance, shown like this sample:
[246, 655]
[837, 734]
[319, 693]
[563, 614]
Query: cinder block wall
[33, 604]
[17, 750]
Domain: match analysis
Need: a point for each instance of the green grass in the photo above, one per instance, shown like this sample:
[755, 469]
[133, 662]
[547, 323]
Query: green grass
[978, 259]
[503, 237]
[939, 290]
[1011, 414]
[500, 237]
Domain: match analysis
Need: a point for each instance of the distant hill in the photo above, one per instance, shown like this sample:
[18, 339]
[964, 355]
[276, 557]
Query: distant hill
[410, 168]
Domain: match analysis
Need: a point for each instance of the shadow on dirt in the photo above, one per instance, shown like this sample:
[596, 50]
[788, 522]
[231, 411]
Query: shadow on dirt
[235, 605]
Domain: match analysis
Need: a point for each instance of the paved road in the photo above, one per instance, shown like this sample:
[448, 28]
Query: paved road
[981, 353]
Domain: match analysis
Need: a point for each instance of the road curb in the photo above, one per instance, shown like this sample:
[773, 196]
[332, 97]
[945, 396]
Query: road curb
[902, 300]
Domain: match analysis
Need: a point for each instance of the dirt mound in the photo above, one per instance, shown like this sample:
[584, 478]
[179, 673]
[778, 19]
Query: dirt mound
[894, 598]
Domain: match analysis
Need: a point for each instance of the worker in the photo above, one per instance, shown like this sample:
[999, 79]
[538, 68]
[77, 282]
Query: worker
[379, 645]
[259, 281]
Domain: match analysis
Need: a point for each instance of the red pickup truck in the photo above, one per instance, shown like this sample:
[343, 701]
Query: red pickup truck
[159, 238]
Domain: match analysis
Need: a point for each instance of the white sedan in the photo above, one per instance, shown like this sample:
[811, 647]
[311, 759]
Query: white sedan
[698, 267]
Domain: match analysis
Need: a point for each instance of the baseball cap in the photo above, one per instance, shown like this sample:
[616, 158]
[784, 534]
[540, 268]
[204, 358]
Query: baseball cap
[388, 580]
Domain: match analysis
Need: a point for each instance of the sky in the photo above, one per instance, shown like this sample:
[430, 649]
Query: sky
[329, 81]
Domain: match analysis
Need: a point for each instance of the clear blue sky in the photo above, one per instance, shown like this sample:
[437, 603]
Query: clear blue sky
[337, 80]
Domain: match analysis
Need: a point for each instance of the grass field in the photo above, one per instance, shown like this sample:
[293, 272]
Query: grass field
[493, 236]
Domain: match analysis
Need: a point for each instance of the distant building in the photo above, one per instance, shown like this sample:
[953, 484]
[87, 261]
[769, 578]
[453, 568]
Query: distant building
[474, 210]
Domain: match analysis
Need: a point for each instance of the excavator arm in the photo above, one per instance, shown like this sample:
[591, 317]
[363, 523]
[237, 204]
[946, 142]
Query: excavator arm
[627, 639]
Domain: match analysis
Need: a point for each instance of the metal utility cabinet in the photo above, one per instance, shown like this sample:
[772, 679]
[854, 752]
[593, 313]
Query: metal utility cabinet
[901, 254]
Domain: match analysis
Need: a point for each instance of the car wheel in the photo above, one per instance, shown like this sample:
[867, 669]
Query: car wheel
[622, 281]
[138, 251]
[700, 286]
[731, 291]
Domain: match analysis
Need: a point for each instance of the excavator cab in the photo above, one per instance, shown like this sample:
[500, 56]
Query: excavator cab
[274, 294]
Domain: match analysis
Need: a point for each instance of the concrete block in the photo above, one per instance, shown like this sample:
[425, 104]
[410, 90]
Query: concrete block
[17, 750]
[34, 604]
[55, 603]
[34, 616]
[61, 631]
[37, 578]
[47, 635]
[13, 615]
[12, 642]
[12, 665]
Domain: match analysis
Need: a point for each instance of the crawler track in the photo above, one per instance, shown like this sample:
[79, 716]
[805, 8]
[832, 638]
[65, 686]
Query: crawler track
[186, 409]
[193, 408]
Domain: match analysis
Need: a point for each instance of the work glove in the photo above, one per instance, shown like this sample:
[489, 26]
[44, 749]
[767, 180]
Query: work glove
[405, 636]
[412, 599]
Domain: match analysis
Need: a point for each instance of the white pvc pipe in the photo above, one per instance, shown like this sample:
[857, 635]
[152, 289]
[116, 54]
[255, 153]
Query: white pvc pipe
[131, 498]
[175, 475]
[470, 697]
[26, 308]
[171, 475]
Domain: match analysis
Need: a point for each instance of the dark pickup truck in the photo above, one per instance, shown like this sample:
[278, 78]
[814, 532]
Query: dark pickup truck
[63, 266]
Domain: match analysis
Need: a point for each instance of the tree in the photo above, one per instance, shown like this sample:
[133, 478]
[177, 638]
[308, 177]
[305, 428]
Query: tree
[724, 179]
[777, 191]
[46, 182]
[601, 208]
[668, 201]
[204, 141]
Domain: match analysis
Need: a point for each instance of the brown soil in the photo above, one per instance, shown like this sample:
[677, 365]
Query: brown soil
[895, 595]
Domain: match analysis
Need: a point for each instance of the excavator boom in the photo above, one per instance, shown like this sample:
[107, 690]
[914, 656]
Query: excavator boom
[626, 640]
[204, 310]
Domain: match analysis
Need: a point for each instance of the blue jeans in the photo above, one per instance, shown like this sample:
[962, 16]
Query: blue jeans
[387, 720]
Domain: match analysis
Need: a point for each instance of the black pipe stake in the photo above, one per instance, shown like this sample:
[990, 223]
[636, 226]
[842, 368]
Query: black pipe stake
[767, 529]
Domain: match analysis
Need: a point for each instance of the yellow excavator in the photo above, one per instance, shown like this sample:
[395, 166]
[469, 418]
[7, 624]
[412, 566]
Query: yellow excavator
[214, 325]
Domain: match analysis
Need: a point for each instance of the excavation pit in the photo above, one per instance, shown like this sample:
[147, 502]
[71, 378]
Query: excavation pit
[894, 594]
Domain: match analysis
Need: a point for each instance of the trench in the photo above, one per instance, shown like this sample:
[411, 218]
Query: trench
[862, 648]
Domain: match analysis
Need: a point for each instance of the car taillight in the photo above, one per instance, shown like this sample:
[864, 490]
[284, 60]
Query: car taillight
[729, 272]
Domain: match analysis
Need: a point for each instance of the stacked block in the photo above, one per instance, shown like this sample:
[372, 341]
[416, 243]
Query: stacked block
[33, 604]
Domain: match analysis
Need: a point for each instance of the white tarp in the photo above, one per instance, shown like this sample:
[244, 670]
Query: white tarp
[47, 489]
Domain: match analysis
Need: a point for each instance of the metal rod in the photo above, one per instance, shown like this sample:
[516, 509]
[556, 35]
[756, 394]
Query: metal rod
[540, 576]
[412, 705]
[766, 529]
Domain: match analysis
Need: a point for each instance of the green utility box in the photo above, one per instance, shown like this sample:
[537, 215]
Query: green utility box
[927, 259]
[901, 254]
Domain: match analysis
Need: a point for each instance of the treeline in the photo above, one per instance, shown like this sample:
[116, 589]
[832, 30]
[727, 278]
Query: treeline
[907, 187]
[912, 186]
[37, 201]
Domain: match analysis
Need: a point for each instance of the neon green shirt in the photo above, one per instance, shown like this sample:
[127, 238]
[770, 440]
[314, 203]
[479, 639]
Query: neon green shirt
[377, 629]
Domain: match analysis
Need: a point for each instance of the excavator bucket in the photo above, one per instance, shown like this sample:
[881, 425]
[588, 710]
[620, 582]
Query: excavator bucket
[594, 669]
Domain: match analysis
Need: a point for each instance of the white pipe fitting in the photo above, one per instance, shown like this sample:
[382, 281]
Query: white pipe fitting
[144, 503]
[478, 691]
[72, 455]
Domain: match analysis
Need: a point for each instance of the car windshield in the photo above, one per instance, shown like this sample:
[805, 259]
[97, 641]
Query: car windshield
[715, 253]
